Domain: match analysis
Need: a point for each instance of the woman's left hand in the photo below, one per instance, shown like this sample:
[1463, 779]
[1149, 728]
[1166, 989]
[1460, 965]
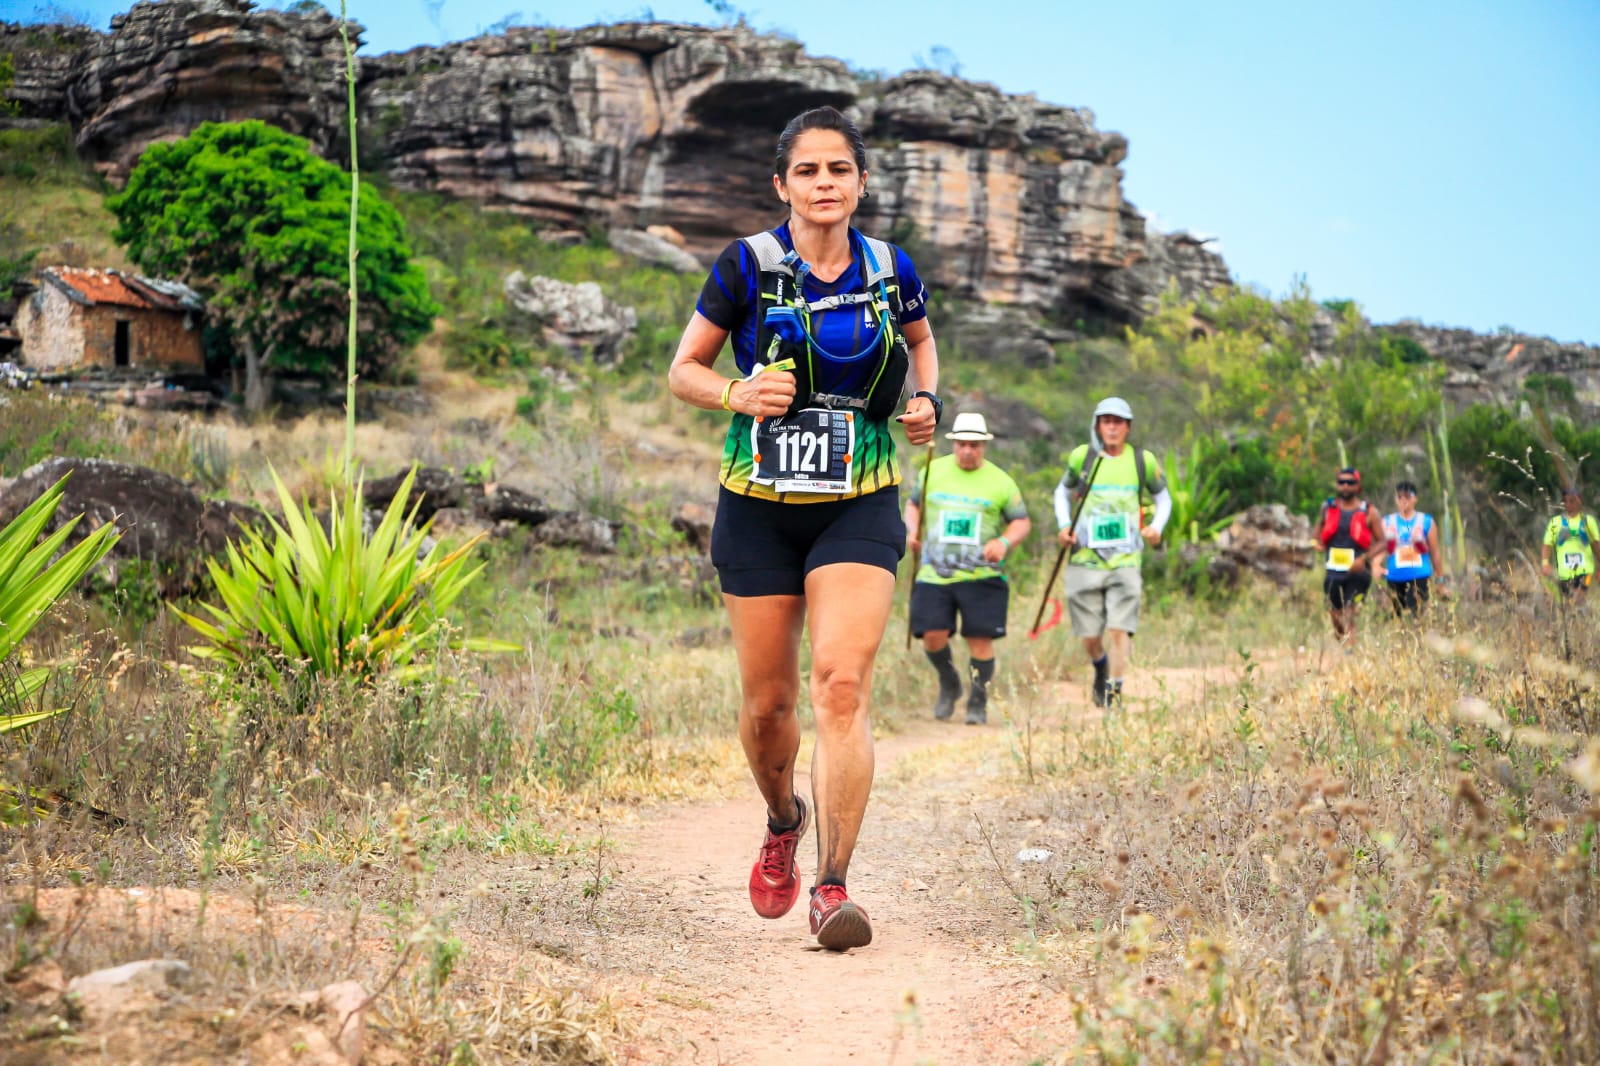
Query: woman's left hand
[918, 420]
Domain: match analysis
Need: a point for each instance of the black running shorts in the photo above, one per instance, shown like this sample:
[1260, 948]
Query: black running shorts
[981, 604]
[1345, 589]
[1409, 596]
[766, 548]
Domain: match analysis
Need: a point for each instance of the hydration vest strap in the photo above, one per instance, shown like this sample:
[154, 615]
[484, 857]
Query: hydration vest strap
[769, 252]
[1138, 468]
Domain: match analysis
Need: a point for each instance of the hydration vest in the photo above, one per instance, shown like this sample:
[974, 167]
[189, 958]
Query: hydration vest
[1333, 518]
[783, 328]
[1566, 530]
[1082, 491]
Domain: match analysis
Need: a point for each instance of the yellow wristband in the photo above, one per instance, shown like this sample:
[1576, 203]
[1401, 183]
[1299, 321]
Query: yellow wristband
[727, 391]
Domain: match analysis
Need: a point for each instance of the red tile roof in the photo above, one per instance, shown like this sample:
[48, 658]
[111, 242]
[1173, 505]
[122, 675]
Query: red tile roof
[93, 286]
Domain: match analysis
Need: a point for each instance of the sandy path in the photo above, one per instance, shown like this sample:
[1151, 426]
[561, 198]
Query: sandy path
[933, 987]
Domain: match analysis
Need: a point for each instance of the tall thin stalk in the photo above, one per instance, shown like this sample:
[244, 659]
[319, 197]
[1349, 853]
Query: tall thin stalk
[355, 198]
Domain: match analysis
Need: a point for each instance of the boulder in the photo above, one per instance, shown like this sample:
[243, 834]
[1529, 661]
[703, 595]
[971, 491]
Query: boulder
[346, 1002]
[579, 318]
[653, 249]
[574, 529]
[1270, 540]
[694, 521]
[502, 503]
[163, 519]
[135, 986]
[434, 490]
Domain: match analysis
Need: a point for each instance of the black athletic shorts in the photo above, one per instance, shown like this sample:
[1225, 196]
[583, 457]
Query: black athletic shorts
[1345, 589]
[1409, 595]
[981, 604]
[766, 548]
[1577, 583]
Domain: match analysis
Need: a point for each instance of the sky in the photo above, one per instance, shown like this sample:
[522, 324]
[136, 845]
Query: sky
[1430, 160]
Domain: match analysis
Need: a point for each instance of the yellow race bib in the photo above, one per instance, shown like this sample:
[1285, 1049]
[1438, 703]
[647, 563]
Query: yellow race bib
[1341, 558]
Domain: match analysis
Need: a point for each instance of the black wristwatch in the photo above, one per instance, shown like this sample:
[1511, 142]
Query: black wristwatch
[938, 404]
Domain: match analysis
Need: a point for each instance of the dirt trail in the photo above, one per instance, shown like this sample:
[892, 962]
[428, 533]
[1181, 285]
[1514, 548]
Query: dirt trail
[931, 988]
[943, 981]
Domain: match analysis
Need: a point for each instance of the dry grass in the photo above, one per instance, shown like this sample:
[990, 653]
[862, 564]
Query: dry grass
[1385, 858]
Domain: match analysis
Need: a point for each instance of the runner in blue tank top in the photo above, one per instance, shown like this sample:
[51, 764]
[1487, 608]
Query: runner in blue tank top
[1413, 547]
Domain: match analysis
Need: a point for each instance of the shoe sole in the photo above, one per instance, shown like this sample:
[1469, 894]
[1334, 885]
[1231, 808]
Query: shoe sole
[846, 928]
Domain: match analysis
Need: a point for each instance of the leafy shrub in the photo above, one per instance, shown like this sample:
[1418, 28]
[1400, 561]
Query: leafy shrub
[334, 598]
[29, 153]
[1550, 388]
[1398, 348]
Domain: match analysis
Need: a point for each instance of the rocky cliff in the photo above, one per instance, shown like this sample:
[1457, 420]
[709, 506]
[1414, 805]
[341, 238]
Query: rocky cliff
[1005, 198]
[1494, 368]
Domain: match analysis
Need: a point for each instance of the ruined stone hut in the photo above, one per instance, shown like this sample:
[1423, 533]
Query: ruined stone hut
[80, 318]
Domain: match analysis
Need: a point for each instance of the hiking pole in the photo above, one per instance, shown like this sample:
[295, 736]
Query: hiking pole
[1061, 556]
[922, 524]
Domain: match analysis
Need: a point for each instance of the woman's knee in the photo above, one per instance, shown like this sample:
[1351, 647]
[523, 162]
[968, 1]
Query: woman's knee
[837, 690]
[770, 704]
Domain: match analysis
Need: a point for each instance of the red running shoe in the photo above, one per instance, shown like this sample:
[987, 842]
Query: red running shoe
[837, 923]
[775, 878]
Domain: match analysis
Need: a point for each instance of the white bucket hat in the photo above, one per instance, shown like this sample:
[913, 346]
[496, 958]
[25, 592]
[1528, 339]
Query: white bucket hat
[969, 425]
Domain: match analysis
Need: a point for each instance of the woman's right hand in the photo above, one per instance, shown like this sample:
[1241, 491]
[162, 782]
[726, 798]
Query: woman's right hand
[766, 395]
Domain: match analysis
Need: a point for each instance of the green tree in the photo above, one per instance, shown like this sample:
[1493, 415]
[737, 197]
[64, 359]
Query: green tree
[248, 216]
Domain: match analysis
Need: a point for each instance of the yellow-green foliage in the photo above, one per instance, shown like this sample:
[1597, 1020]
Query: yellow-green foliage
[31, 581]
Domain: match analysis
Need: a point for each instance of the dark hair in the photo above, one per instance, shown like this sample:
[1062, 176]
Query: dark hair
[820, 118]
[1349, 472]
[1407, 487]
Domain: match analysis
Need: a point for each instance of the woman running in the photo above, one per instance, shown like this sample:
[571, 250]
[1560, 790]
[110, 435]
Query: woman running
[829, 327]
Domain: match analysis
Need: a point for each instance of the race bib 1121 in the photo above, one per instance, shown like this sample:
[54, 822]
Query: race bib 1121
[808, 451]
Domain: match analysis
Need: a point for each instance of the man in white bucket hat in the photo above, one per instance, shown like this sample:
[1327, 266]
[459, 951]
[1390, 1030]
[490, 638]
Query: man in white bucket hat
[1104, 485]
[975, 517]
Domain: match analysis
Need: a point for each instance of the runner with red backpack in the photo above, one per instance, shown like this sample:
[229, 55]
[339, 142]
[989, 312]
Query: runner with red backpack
[1350, 535]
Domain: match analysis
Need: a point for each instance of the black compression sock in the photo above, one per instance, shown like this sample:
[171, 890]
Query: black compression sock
[982, 671]
[778, 830]
[944, 663]
[830, 881]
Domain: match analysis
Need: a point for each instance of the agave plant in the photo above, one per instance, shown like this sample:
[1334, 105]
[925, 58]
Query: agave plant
[32, 579]
[1199, 504]
[333, 598]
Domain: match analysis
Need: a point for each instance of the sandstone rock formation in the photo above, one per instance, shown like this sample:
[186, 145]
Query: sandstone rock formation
[1492, 368]
[167, 67]
[640, 125]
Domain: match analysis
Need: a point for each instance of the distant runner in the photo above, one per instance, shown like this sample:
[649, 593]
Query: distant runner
[1411, 538]
[1103, 582]
[1345, 535]
[975, 517]
[1571, 535]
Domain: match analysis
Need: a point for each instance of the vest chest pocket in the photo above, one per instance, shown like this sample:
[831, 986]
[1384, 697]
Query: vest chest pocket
[808, 451]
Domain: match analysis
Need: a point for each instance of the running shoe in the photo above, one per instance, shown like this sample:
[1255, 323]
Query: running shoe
[838, 924]
[945, 705]
[775, 878]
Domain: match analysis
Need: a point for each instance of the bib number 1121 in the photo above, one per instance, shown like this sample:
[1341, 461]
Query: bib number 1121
[808, 451]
